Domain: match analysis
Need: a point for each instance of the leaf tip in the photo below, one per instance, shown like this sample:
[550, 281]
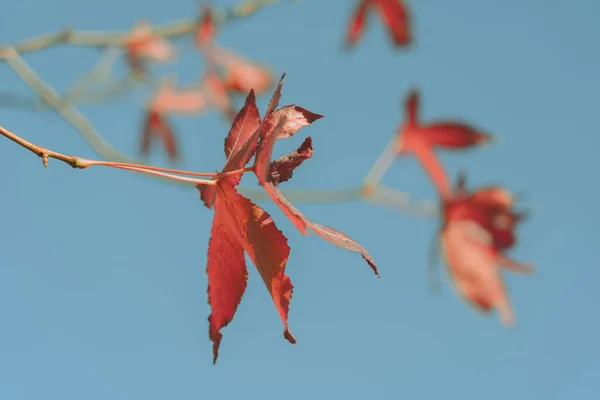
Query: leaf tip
[288, 335]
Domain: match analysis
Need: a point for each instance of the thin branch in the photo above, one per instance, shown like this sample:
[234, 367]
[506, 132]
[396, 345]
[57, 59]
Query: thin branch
[171, 29]
[82, 163]
[381, 165]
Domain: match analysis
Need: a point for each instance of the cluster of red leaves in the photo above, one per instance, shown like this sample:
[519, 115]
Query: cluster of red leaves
[393, 15]
[227, 74]
[241, 226]
[477, 226]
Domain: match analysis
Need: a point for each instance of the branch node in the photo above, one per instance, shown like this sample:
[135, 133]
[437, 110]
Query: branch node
[368, 190]
[7, 52]
[66, 35]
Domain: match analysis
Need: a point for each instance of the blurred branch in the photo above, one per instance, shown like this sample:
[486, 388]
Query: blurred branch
[370, 192]
[171, 29]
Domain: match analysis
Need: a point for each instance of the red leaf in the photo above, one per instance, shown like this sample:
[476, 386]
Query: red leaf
[411, 105]
[170, 100]
[264, 151]
[288, 120]
[288, 209]
[227, 273]
[241, 74]
[141, 43]
[244, 125]
[395, 18]
[283, 168]
[357, 23]
[473, 267]
[433, 167]
[274, 102]
[156, 126]
[206, 27]
[207, 194]
[478, 227]
[340, 239]
[296, 118]
[265, 244]
[331, 235]
[393, 15]
[216, 94]
[452, 135]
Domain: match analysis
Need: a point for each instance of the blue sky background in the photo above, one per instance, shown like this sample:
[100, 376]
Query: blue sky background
[102, 272]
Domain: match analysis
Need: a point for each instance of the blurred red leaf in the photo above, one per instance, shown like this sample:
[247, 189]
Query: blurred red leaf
[420, 140]
[155, 126]
[142, 45]
[206, 29]
[445, 134]
[393, 15]
[478, 227]
[168, 100]
[241, 74]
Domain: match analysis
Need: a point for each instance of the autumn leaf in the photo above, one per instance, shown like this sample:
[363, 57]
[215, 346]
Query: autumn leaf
[393, 15]
[142, 45]
[420, 139]
[239, 224]
[282, 169]
[237, 73]
[241, 74]
[168, 100]
[216, 93]
[444, 134]
[478, 228]
[338, 238]
[357, 23]
[289, 120]
[155, 126]
[206, 29]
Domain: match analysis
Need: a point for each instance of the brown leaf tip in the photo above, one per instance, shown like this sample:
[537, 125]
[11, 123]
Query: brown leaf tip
[288, 335]
[309, 115]
[372, 264]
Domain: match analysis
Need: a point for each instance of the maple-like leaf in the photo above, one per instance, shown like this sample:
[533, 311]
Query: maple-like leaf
[478, 227]
[142, 45]
[420, 139]
[240, 224]
[444, 134]
[289, 120]
[251, 226]
[393, 15]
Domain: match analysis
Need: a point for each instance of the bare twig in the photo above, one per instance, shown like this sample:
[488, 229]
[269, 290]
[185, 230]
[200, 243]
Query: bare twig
[81, 163]
[171, 29]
